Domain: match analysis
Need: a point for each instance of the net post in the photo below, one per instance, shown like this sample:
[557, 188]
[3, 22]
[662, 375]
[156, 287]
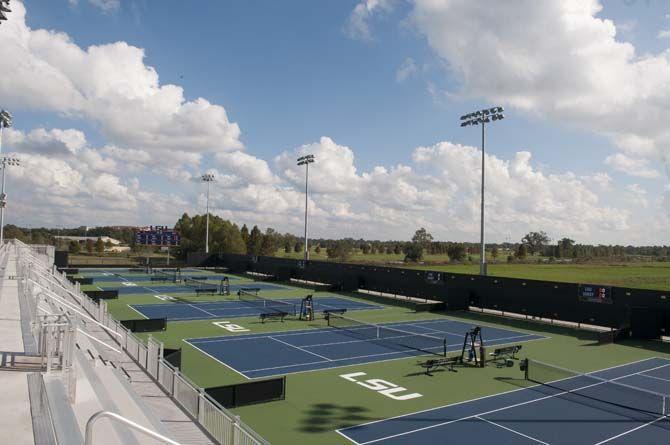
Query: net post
[525, 369]
[445, 348]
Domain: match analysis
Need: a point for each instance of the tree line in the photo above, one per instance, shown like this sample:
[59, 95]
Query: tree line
[228, 237]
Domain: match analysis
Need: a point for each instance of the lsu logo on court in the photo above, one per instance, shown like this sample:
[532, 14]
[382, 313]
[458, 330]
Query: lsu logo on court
[384, 387]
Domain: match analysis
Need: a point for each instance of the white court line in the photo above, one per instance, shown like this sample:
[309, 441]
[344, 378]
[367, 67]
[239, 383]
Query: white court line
[511, 430]
[625, 433]
[137, 311]
[493, 395]
[321, 331]
[299, 348]
[350, 358]
[206, 312]
[437, 330]
[404, 433]
[216, 359]
[654, 377]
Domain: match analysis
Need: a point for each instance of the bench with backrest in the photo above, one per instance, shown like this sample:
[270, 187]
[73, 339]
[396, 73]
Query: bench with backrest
[206, 290]
[272, 316]
[433, 364]
[505, 353]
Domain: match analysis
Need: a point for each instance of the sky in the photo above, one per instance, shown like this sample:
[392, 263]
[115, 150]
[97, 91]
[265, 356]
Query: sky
[121, 105]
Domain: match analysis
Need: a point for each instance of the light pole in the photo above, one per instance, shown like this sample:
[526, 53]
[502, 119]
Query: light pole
[482, 117]
[207, 178]
[6, 162]
[306, 160]
[5, 122]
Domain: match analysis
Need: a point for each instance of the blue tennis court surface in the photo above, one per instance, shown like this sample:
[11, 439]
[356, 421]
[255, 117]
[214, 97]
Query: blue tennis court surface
[131, 288]
[144, 278]
[571, 411]
[263, 355]
[237, 308]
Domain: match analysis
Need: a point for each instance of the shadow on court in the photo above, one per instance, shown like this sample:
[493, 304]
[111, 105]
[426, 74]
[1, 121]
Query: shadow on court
[324, 417]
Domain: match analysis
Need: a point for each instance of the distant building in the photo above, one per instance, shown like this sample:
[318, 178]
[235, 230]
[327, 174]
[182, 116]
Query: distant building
[83, 239]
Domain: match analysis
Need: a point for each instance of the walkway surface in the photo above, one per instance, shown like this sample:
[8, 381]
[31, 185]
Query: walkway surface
[15, 418]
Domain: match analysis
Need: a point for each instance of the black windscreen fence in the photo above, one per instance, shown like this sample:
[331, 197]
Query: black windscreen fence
[534, 298]
[231, 396]
[145, 324]
[173, 357]
[97, 295]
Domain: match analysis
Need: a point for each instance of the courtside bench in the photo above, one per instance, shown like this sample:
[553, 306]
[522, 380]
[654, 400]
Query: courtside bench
[501, 355]
[206, 290]
[272, 316]
[433, 364]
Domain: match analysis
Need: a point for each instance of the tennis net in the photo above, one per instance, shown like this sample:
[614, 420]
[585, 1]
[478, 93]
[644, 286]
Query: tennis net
[389, 336]
[594, 388]
[252, 297]
[201, 286]
[167, 276]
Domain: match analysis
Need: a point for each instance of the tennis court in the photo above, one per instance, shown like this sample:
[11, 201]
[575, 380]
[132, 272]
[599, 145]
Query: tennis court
[131, 288]
[263, 355]
[619, 405]
[237, 308]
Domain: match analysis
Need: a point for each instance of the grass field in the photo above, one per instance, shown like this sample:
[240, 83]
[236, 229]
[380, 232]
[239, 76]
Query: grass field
[642, 275]
[319, 402]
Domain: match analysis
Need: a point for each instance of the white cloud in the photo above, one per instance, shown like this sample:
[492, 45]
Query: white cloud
[333, 172]
[663, 34]
[357, 26]
[566, 64]
[110, 85]
[104, 5]
[602, 180]
[407, 69]
[248, 168]
[637, 195]
[631, 166]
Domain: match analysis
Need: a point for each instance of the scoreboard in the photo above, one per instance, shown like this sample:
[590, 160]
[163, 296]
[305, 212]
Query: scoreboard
[591, 293]
[157, 236]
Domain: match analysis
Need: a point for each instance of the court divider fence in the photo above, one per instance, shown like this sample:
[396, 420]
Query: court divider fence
[223, 425]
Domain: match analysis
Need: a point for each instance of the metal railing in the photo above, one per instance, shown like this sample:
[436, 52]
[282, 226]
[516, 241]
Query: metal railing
[88, 438]
[221, 424]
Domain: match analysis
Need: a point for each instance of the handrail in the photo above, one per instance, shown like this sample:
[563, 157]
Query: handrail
[88, 438]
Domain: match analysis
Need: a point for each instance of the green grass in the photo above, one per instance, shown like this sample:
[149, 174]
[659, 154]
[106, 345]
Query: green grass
[641, 275]
[319, 402]
[652, 275]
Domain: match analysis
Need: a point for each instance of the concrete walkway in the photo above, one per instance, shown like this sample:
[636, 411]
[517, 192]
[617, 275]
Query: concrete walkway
[15, 419]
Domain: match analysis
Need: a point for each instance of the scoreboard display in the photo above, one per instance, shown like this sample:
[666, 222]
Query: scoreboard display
[591, 293]
[157, 236]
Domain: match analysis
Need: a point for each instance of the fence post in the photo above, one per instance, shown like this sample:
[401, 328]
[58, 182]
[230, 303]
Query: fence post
[236, 430]
[201, 406]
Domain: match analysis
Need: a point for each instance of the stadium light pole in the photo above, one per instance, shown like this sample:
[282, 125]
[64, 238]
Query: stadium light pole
[6, 162]
[482, 117]
[5, 122]
[207, 178]
[306, 160]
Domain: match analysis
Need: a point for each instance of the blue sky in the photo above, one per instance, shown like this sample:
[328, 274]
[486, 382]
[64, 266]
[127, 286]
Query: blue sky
[289, 73]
